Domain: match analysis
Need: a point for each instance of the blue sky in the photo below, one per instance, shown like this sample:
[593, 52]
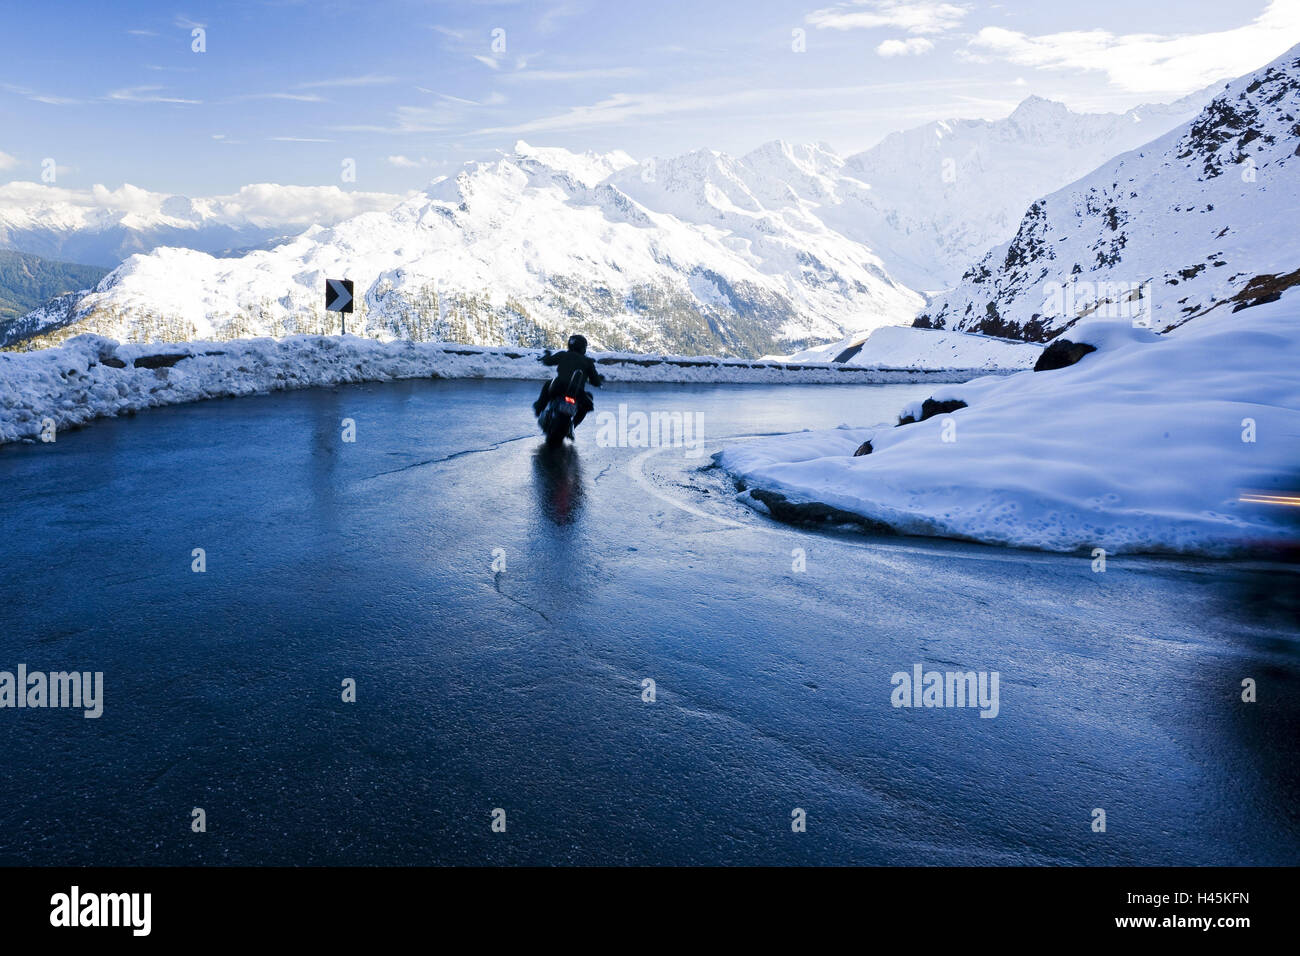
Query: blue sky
[285, 91]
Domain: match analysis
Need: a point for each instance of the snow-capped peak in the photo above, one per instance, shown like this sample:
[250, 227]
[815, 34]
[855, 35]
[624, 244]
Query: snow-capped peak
[942, 194]
[699, 253]
[1198, 220]
[587, 168]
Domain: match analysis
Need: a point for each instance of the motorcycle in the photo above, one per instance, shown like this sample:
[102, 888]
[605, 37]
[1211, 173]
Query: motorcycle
[557, 416]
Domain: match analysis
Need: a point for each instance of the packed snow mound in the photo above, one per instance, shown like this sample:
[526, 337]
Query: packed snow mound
[520, 251]
[896, 346]
[102, 226]
[1149, 444]
[1200, 221]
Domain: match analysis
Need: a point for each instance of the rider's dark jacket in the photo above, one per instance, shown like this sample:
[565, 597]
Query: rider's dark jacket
[566, 363]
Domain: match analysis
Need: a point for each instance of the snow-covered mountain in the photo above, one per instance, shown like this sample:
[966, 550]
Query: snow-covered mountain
[519, 251]
[101, 226]
[1201, 219]
[928, 201]
[772, 251]
[942, 194]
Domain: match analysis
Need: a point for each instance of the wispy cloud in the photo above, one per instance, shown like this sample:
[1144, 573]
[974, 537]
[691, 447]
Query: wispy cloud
[447, 112]
[7, 161]
[293, 97]
[921, 16]
[298, 139]
[148, 94]
[403, 162]
[628, 108]
[370, 79]
[550, 19]
[1147, 62]
[185, 23]
[143, 33]
[488, 61]
[448, 96]
[38, 97]
[564, 76]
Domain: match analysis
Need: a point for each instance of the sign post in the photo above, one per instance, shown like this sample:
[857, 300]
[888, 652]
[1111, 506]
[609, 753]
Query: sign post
[338, 298]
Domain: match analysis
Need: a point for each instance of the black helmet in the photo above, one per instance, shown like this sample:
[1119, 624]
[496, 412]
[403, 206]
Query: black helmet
[578, 343]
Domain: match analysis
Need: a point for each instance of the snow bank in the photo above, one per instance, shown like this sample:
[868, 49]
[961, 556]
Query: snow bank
[1138, 447]
[899, 346]
[903, 347]
[92, 377]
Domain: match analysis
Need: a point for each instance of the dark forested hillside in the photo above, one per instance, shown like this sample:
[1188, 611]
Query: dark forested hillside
[27, 281]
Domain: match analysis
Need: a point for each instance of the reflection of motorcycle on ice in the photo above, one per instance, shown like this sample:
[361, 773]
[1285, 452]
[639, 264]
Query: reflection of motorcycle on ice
[564, 401]
[557, 476]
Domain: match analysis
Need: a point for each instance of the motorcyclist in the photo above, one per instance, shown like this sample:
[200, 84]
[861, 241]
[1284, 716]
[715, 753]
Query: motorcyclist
[566, 363]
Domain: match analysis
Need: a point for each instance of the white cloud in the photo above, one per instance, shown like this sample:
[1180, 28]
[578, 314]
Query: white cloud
[618, 108]
[7, 161]
[487, 61]
[562, 76]
[912, 46]
[295, 97]
[912, 16]
[263, 204]
[426, 119]
[37, 97]
[147, 94]
[443, 114]
[370, 79]
[271, 204]
[625, 108]
[402, 162]
[549, 21]
[1150, 62]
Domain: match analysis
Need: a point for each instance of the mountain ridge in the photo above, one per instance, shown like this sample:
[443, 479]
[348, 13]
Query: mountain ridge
[1188, 223]
[779, 248]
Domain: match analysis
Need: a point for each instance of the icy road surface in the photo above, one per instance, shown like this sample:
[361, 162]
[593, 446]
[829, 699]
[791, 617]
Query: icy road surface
[523, 689]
